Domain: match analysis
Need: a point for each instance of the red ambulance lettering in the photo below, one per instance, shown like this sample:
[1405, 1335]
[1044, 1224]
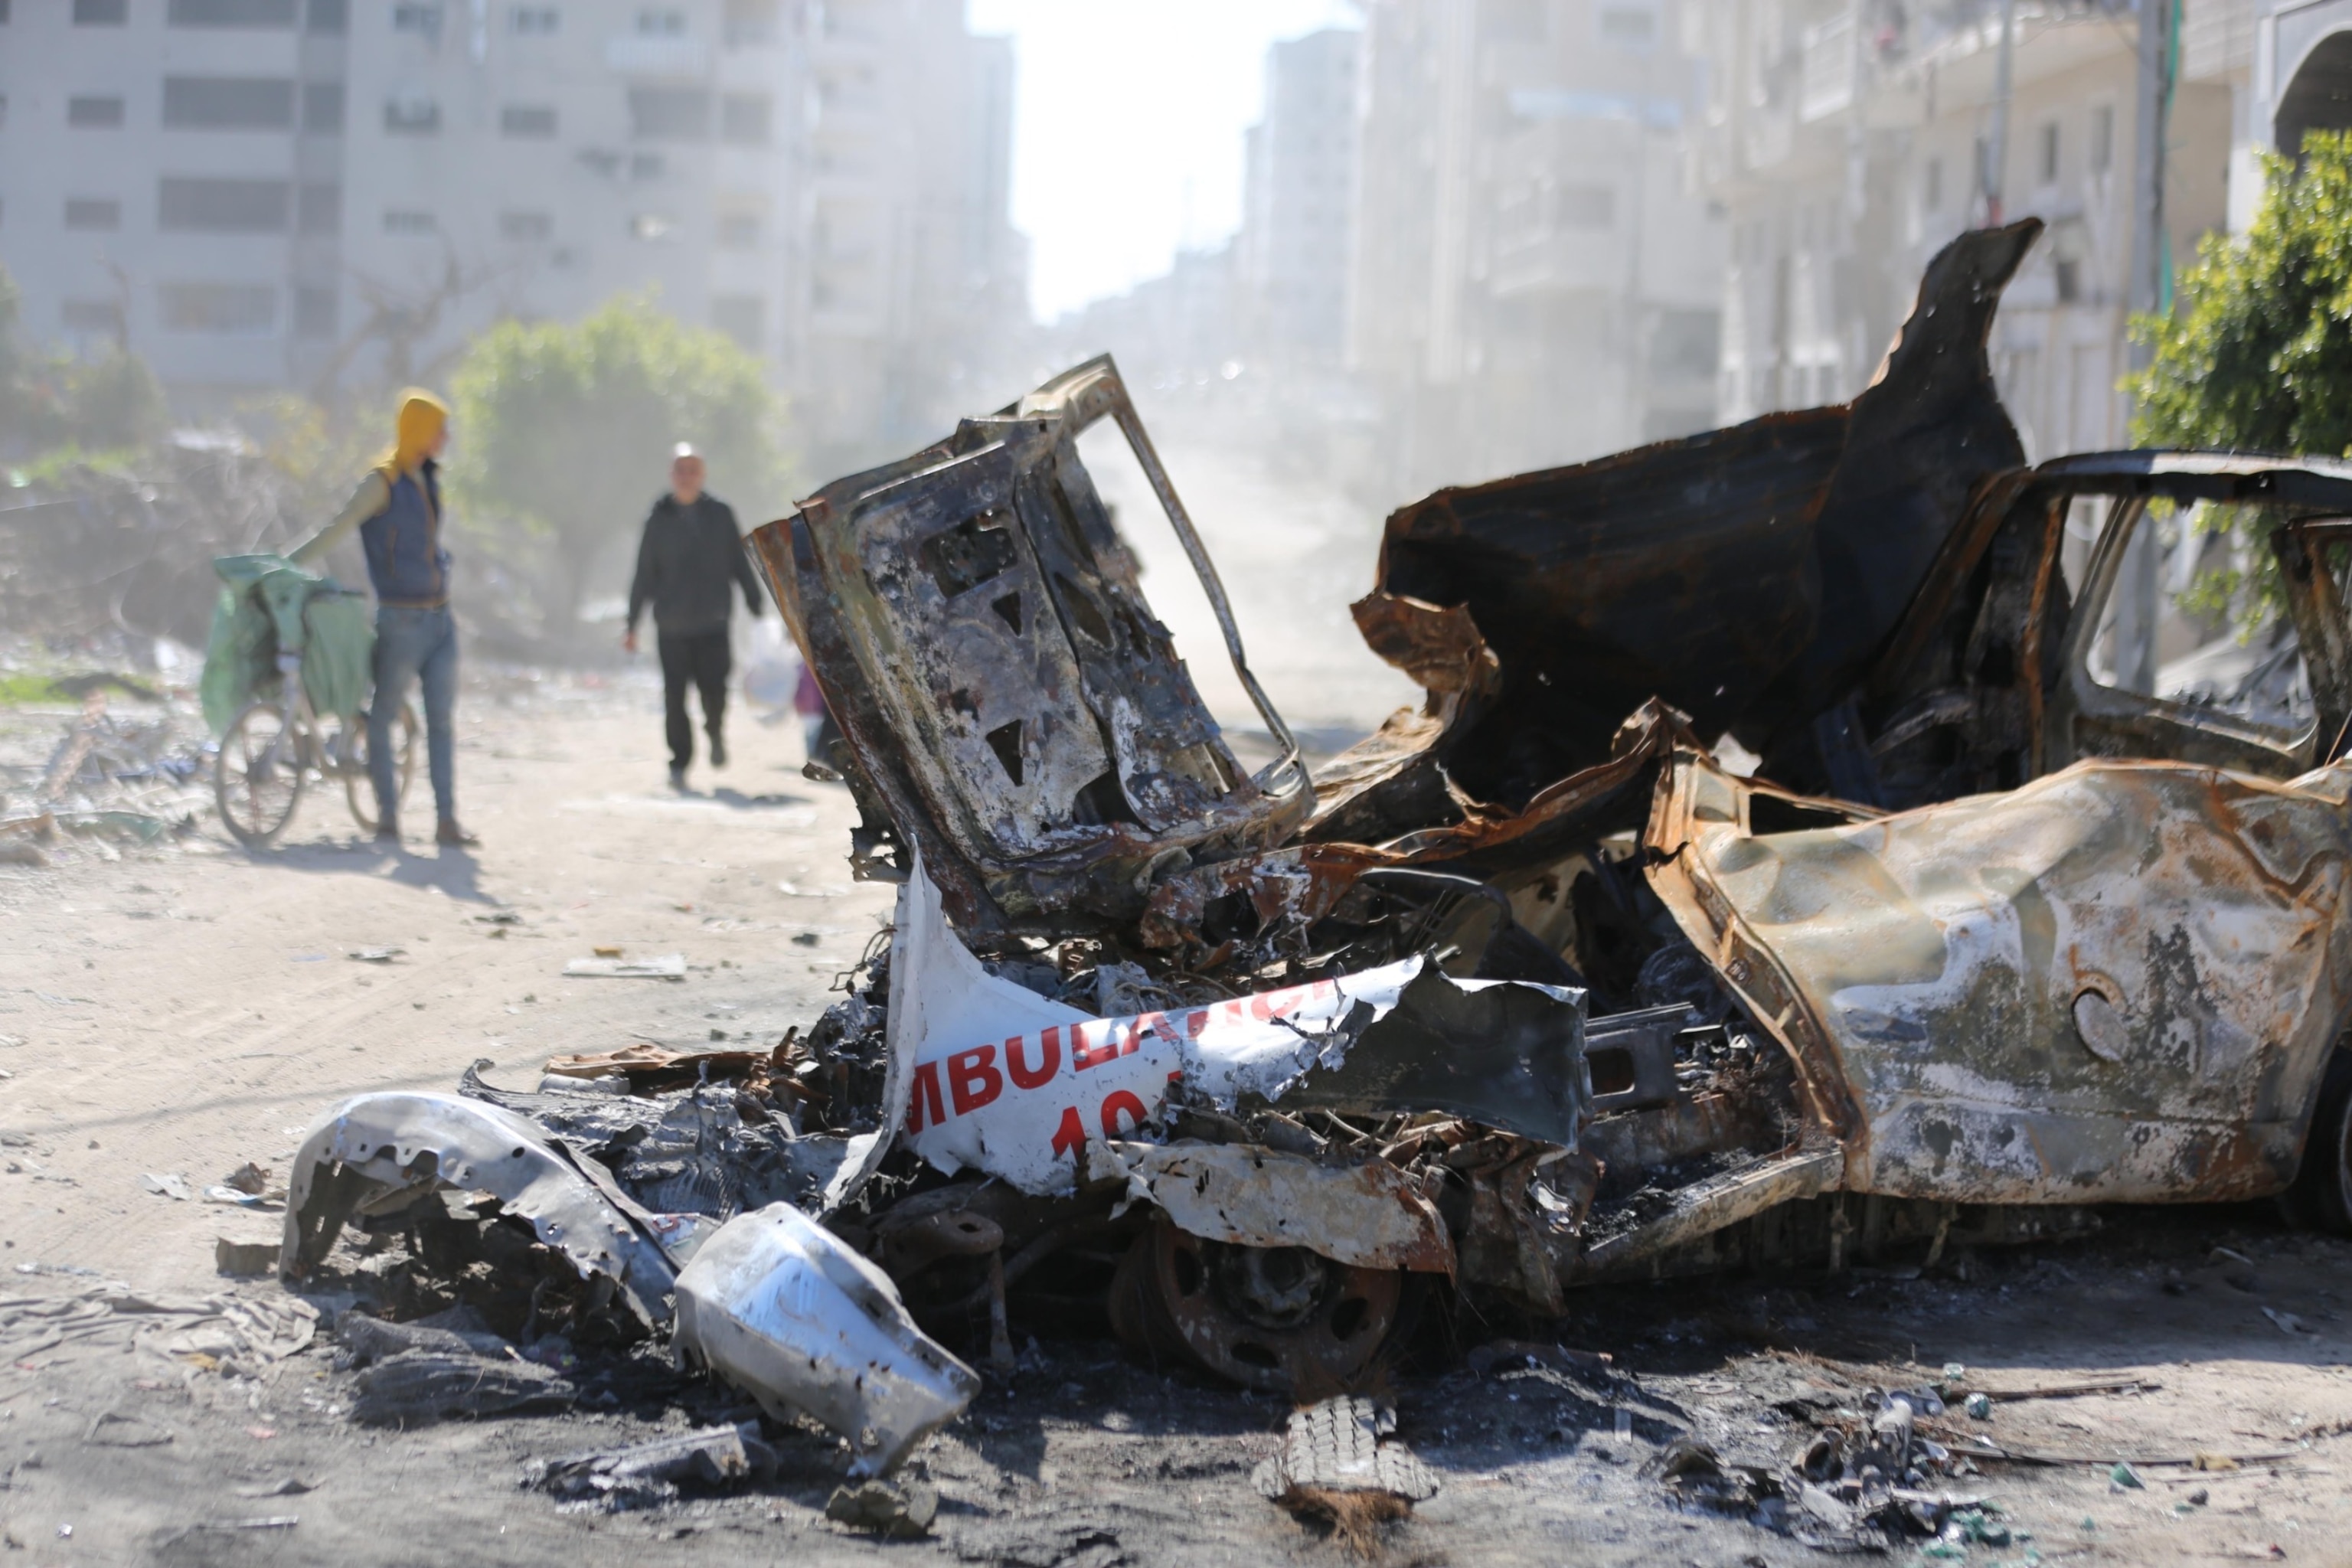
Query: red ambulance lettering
[926, 1092]
[1071, 1135]
[972, 1078]
[1109, 1045]
[1119, 1101]
[1049, 1045]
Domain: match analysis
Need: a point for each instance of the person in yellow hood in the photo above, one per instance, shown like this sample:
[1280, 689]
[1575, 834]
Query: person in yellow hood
[397, 512]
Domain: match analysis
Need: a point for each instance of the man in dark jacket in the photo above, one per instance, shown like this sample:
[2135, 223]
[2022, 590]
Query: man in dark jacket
[690, 559]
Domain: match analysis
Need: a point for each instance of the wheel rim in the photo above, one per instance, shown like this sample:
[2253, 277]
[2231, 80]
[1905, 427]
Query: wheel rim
[260, 774]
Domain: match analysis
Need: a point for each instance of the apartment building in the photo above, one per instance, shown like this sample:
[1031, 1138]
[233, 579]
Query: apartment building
[257, 194]
[1532, 284]
[1291, 257]
[916, 283]
[1848, 143]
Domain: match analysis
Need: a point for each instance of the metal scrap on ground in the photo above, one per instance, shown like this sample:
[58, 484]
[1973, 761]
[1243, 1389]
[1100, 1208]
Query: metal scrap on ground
[1525, 991]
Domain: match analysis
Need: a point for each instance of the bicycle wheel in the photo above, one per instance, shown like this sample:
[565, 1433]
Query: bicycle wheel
[353, 755]
[259, 779]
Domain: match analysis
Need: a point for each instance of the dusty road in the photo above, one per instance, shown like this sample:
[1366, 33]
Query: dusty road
[183, 1010]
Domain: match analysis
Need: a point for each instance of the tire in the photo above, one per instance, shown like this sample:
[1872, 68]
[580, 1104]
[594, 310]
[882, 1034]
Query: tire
[2322, 1193]
[353, 753]
[258, 778]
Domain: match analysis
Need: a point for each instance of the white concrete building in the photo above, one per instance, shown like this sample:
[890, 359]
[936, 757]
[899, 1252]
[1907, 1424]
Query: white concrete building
[270, 193]
[1532, 282]
[1291, 258]
[1848, 143]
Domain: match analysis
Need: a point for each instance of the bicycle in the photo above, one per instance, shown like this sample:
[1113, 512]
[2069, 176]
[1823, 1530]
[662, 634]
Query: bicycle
[272, 748]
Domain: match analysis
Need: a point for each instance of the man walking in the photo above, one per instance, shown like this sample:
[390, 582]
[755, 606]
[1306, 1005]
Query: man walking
[396, 511]
[690, 557]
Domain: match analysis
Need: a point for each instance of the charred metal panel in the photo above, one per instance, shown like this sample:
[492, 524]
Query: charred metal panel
[2118, 983]
[1015, 709]
[1744, 576]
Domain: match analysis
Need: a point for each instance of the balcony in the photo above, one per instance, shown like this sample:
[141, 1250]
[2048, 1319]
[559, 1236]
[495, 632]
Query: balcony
[1827, 80]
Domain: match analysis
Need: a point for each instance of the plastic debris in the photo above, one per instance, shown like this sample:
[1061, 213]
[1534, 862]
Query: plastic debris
[419, 1386]
[609, 966]
[647, 1474]
[168, 1185]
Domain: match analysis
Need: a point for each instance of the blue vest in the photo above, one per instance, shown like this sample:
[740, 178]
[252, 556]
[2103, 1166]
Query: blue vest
[405, 561]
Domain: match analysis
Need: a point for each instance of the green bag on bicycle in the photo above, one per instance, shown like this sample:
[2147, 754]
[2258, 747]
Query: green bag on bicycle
[265, 605]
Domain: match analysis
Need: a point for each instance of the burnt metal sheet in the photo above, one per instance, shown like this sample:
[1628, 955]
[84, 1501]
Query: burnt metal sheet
[377, 1145]
[2117, 984]
[1014, 709]
[1744, 576]
[1709, 1205]
[1367, 1214]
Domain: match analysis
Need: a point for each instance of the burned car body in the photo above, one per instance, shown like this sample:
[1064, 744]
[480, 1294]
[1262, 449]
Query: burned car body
[1872, 599]
[2018, 914]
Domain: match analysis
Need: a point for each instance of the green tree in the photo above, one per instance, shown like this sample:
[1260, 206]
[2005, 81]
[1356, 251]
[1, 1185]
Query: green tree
[2257, 353]
[110, 402]
[567, 429]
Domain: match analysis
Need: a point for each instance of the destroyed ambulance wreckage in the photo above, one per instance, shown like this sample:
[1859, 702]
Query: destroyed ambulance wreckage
[1528, 989]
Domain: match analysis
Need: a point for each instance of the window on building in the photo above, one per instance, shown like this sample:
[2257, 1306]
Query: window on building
[410, 221]
[744, 117]
[527, 119]
[248, 309]
[411, 115]
[91, 315]
[319, 208]
[333, 18]
[2103, 138]
[2046, 153]
[738, 230]
[749, 22]
[322, 108]
[661, 22]
[100, 13]
[228, 102]
[1931, 185]
[1583, 206]
[231, 13]
[669, 113]
[223, 206]
[533, 21]
[94, 113]
[744, 317]
[314, 312]
[93, 211]
[425, 21]
[1629, 26]
[526, 227]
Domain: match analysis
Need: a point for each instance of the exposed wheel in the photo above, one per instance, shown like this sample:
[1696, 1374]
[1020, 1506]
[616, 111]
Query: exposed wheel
[2322, 1193]
[1280, 1319]
[257, 781]
[352, 752]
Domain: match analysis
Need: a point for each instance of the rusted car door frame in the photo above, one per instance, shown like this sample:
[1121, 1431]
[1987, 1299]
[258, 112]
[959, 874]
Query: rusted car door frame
[2308, 498]
[1994, 651]
[1013, 708]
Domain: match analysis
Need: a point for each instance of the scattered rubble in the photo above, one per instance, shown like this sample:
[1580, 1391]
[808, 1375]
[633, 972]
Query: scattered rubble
[1527, 991]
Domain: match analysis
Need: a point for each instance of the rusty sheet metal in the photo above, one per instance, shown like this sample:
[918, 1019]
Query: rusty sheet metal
[1707, 1205]
[2118, 983]
[1369, 1215]
[1744, 576]
[1015, 709]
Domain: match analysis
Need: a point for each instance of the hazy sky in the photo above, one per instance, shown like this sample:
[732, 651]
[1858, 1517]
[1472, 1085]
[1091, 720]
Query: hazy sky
[1127, 136]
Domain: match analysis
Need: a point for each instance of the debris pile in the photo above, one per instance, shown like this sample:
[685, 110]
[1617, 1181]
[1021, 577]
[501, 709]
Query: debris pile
[1528, 990]
[128, 769]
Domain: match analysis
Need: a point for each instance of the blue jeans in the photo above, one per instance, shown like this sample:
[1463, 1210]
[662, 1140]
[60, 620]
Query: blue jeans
[414, 644]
